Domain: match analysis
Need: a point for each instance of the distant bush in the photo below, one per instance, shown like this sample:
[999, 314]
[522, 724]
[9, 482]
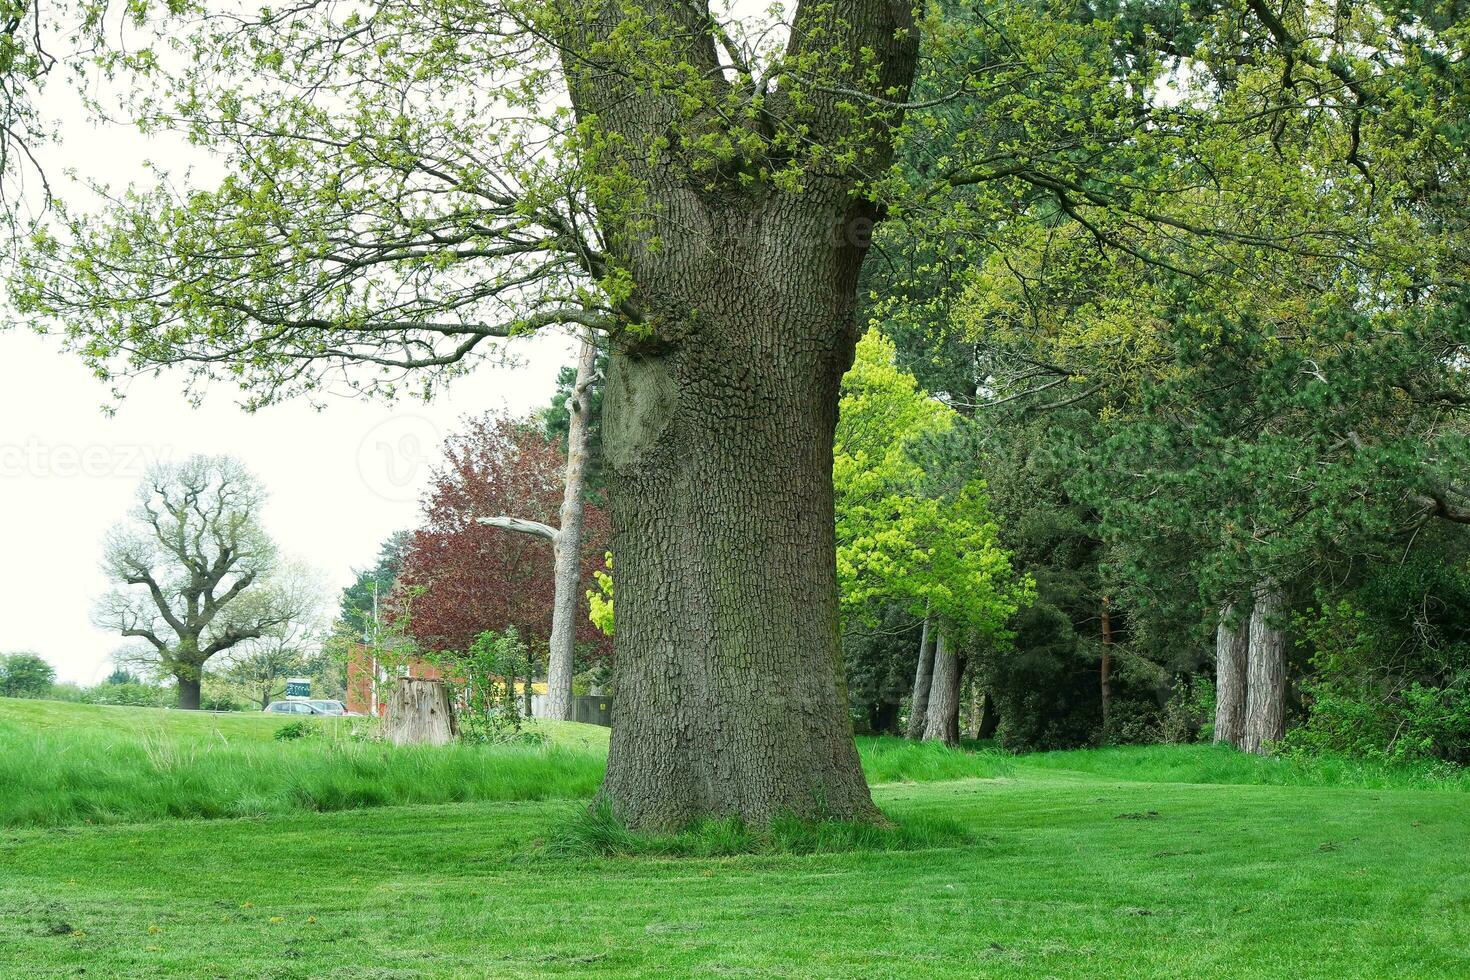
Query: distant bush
[25, 675]
[491, 713]
[220, 702]
[1135, 721]
[1189, 714]
[132, 694]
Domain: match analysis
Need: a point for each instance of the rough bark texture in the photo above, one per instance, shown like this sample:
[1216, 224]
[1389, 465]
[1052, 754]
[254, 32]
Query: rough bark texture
[1232, 650]
[568, 542]
[718, 419]
[943, 724]
[419, 713]
[1265, 696]
[977, 708]
[731, 697]
[923, 677]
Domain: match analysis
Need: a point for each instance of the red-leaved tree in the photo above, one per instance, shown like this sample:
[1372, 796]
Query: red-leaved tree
[463, 577]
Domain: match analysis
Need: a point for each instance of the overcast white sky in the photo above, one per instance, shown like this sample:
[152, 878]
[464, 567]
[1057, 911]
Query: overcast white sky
[341, 480]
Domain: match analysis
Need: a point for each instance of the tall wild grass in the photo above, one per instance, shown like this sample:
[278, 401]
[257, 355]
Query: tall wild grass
[50, 778]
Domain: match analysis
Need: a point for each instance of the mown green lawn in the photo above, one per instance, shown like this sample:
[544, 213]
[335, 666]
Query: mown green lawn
[1044, 871]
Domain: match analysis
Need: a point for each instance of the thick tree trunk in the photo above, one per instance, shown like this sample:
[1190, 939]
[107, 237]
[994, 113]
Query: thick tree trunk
[943, 724]
[720, 407]
[923, 677]
[189, 685]
[731, 695]
[568, 540]
[419, 713]
[1105, 669]
[1265, 696]
[1232, 651]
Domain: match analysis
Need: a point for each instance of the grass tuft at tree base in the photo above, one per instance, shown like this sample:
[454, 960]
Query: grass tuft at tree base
[597, 832]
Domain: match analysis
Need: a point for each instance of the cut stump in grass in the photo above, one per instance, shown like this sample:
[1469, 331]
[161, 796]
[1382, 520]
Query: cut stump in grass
[420, 713]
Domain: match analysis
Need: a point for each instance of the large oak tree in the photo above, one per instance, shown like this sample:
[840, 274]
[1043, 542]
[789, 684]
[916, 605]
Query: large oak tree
[410, 181]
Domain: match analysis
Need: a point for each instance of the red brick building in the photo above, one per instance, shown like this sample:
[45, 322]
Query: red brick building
[367, 677]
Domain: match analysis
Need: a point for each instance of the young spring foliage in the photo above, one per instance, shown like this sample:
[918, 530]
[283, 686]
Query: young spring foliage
[903, 535]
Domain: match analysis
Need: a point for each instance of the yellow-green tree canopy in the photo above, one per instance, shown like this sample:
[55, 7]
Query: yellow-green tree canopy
[903, 535]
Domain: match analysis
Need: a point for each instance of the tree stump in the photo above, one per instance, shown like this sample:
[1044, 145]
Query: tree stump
[420, 713]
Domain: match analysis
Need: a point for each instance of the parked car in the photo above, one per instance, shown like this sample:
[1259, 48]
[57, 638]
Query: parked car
[328, 707]
[295, 708]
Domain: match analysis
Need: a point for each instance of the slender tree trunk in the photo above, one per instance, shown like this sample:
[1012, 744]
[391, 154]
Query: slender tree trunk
[1265, 695]
[977, 708]
[1105, 669]
[943, 724]
[731, 697]
[527, 692]
[189, 691]
[568, 540]
[919, 709]
[1232, 653]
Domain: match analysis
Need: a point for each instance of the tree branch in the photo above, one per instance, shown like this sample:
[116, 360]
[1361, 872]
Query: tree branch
[522, 526]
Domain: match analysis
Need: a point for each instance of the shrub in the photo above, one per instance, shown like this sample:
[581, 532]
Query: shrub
[488, 670]
[297, 729]
[1134, 721]
[67, 691]
[1436, 724]
[1390, 668]
[1416, 723]
[1189, 714]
